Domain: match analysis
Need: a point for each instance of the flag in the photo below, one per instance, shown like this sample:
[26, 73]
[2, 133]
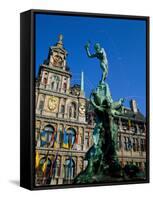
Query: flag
[61, 136]
[43, 138]
[37, 160]
[51, 168]
[55, 140]
[44, 167]
[54, 165]
[52, 140]
[77, 139]
[70, 140]
[65, 140]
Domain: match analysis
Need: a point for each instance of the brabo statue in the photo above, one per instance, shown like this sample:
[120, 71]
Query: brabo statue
[101, 55]
[103, 164]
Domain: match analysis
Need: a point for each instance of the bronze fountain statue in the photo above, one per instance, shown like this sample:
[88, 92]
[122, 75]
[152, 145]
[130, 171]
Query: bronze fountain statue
[101, 55]
[103, 164]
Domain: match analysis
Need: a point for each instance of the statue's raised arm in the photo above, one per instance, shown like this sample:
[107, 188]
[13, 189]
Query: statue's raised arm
[88, 52]
[101, 55]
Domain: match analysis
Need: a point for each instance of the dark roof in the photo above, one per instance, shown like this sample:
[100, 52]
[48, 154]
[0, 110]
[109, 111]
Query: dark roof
[134, 115]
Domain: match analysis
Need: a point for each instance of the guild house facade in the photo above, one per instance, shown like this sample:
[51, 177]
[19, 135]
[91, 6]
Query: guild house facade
[65, 123]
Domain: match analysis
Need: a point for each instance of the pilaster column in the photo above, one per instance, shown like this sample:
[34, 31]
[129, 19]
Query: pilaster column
[68, 85]
[62, 167]
[137, 129]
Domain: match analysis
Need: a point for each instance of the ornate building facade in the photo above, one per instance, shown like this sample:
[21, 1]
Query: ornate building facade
[132, 137]
[60, 113]
[65, 123]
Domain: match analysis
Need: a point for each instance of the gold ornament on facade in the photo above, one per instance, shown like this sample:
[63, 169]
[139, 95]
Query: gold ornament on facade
[52, 103]
[57, 60]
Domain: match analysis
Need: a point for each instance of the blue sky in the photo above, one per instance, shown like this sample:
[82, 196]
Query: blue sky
[123, 40]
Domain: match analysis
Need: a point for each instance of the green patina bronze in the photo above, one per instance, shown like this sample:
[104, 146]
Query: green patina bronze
[101, 55]
[103, 164]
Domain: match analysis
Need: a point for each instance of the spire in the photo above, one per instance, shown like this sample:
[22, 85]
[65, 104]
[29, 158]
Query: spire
[82, 83]
[60, 41]
[133, 105]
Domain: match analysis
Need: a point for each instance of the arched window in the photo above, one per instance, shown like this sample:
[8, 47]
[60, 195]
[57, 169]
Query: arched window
[43, 173]
[71, 137]
[42, 161]
[69, 169]
[47, 135]
[56, 169]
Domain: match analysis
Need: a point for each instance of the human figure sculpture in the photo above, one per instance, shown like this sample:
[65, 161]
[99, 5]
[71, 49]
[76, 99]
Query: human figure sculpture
[103, 163]
[101, 55]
